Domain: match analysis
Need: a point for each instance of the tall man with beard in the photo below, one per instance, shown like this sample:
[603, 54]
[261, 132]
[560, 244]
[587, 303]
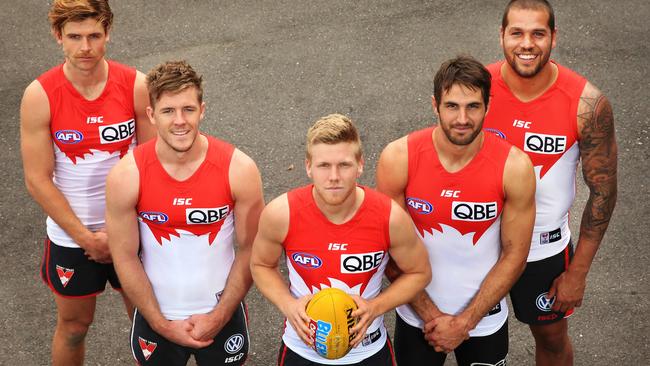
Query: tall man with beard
[557, 117]
[471, 197]
[76, 121]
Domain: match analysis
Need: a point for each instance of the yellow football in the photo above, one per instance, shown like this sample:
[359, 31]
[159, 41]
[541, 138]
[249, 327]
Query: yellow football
[330, 311]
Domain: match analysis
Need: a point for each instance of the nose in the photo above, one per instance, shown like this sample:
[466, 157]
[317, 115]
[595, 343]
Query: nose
[85, 44]
[527, 41]
[334, 173]
[463, 116]
[179, 117]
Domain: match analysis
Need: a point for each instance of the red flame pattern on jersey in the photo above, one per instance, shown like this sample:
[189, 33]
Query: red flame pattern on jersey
[163, 204]
[469, 200]
[346, 256]
[544, 128]
[76, 124]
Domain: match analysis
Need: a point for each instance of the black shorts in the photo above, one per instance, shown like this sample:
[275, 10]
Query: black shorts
[70, 273]
[384, 357]
[528, 295]
[230, 346]
[411, 349]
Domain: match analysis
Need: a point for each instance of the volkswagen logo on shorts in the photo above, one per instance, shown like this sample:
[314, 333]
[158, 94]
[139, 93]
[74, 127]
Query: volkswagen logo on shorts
[543, 303]
[234, 343]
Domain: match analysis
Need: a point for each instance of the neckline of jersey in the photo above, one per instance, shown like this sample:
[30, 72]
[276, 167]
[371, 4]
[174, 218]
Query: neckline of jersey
[76, 92]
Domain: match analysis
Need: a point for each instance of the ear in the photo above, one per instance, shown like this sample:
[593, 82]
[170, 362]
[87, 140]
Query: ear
[202, 110]
[362, 163]
[308, 167]
[150, 111]
[501, 32]
[554, 38]
[58, 36]
[434, 105]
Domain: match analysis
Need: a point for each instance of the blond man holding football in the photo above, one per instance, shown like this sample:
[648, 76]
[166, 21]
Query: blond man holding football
[336, 234]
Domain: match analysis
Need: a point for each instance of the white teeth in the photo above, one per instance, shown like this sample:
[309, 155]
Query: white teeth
[527, 57]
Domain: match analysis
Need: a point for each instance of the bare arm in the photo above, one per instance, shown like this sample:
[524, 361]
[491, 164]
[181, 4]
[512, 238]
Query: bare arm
[392, 178]
[38, 164]
[265, 259]
[122, 188]
[599, 154]
[246, 186]
[144, 129]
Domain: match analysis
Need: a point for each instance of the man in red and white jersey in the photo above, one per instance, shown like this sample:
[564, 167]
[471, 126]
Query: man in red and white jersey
[77, 120]
[471, 197]
[557, 117]
[174, 209]
[338, 234]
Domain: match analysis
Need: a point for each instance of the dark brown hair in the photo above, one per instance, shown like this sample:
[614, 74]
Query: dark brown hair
[173, 77]
[63, 11]
[530, 4]
[465, 71]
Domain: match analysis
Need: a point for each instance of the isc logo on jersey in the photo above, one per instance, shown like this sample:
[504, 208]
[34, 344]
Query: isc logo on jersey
[306, 260]
[473, 211]
[117, 132]
[361, 262]
[199, 216]
[419, 205]
[68, 136]
[155, 217]
[544, 144]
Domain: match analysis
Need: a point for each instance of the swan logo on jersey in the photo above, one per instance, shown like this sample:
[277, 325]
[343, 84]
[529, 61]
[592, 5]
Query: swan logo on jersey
[473, 211]
[147, 347]
[65, 274]
[419, 205]
[543, 303]
[361, 262]
[306, 260]
[69, 136]
[544, 144]
[155, 217]
[321, 330]
[496, 132]
[198, 216]
[234, 343]
[117, 132]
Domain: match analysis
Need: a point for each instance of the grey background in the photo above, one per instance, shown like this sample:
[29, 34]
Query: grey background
[270, 69]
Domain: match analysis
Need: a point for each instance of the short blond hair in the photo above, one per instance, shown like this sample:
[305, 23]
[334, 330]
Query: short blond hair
[333, 129]
[63, 11]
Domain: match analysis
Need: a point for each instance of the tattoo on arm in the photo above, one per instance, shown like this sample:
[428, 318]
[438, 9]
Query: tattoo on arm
[598, 152]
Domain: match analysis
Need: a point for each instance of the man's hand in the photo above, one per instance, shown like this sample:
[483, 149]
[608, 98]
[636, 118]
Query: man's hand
[95, 247]
[568, 290]
[294, 311]
[366, 314]
[179, 332]
[446, 332]
[206, 326]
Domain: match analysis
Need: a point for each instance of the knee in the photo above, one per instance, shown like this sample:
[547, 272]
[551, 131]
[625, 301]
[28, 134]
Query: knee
[73, 331]
[553, 340]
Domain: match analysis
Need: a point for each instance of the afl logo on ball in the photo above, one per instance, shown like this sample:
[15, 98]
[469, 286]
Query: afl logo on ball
[306, 260]
[69, 136]
[234, 343]
[543, 303]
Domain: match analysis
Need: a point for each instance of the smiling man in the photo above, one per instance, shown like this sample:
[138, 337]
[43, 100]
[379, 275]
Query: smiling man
[175, 208]
[557, 117]
[471, 197]
[334, 220]
[76, 121]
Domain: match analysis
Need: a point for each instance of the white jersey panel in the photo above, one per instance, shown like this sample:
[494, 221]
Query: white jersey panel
[458, 270]
[187, 272]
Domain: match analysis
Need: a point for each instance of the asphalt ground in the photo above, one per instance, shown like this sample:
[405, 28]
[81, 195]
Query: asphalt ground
[273, 67]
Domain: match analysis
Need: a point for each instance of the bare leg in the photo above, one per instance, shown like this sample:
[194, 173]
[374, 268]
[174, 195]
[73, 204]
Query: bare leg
[552, 344]
[74, 316]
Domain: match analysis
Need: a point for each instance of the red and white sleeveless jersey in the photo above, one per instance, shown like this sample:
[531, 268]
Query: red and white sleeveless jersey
[89, 137]
[547, 130]
[458, 217]
[186, 230]
[351, 257]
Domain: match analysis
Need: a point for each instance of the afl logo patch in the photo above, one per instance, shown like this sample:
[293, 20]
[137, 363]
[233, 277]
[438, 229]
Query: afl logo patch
[69, 136]
[496, 132]
[419, 205]
[543, 303]
[234, 343]
[155, 217]
[306, 260]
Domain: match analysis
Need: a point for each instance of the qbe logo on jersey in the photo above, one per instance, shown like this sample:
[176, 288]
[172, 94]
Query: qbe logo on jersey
[109, 134]
[473, 211]
[544, 144]
[361, 262]
[198, 216]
